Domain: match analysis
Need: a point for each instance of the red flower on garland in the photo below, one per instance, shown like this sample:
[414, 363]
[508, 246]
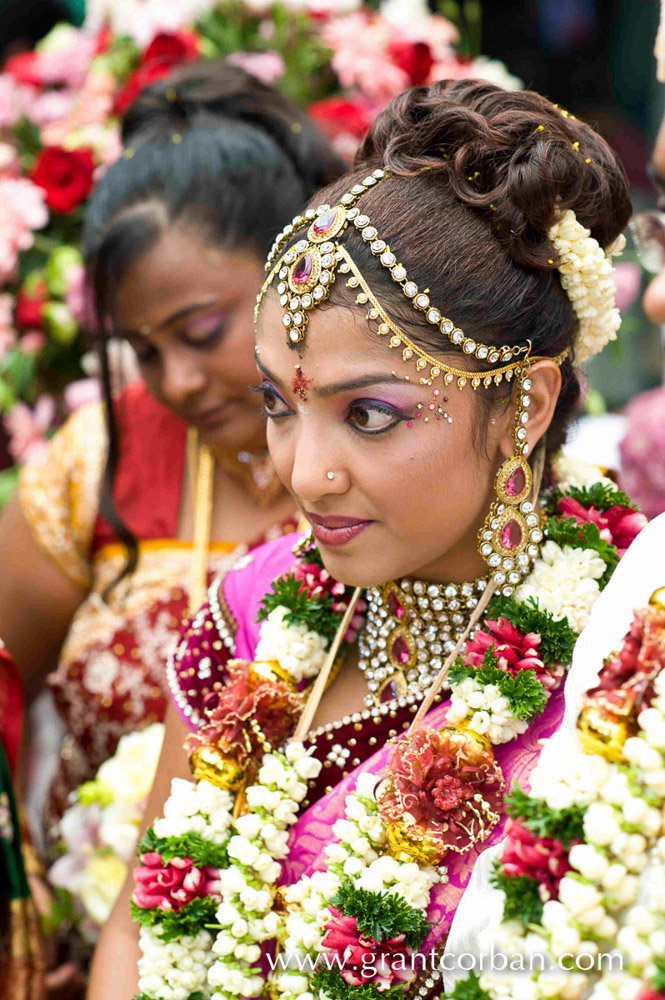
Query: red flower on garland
[318, 582]
[618, 525]
[272, 705]
[24, 69]
[171, 885]
[443, 788]
[66, 177]
[362, 960]
[515, 651]
[648, 993]
[541, 858]
[415, 58]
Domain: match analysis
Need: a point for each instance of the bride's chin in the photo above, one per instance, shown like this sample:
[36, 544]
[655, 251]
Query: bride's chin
[352, 569]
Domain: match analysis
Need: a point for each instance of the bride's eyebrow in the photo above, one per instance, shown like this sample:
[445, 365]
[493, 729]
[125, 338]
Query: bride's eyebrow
[333, 388]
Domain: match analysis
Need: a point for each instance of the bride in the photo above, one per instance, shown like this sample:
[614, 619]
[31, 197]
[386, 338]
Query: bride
[381, 686]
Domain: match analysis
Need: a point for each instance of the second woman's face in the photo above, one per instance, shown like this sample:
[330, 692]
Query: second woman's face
[187, 309]
[385, 469]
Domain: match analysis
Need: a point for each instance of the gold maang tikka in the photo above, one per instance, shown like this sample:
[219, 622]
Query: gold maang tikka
[306, 271]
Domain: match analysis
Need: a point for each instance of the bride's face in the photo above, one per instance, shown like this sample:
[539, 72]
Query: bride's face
[395, 477]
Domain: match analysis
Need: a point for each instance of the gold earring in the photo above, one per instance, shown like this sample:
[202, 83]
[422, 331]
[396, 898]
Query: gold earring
[509, 538]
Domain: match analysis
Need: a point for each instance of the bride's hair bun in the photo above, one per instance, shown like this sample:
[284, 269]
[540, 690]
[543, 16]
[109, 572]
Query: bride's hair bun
[513, 155]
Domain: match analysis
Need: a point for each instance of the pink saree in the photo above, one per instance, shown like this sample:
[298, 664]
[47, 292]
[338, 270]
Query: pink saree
[232, 619]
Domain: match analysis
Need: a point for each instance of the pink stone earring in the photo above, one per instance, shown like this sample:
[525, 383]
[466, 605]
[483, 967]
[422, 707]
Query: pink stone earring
[509, 538]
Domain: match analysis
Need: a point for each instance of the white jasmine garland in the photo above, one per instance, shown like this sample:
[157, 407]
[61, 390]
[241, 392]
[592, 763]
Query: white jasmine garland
[486, 709]
[586, 273]
[296, 648]
[565, 582]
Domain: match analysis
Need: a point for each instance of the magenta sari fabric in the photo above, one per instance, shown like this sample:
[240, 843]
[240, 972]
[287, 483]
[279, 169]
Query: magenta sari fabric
[244, 590]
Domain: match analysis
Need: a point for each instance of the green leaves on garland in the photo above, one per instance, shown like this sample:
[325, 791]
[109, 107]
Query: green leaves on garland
[557, 637]
[602, 496]
[565, 825]
[381, 915]
[526, 694]
[329, 983]
[173, 924]
[522, 899]
[567, 531]
[314, 612]
[469, 989]
[189, 845]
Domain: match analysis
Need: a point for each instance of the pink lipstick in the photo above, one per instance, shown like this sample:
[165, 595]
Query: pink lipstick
[336, 530]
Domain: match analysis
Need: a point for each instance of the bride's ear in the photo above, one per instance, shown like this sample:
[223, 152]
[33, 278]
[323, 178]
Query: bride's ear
[545, 379]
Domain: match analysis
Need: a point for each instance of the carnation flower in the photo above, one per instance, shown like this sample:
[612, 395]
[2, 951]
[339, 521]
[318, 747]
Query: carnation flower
[364, 960]
[265, 66]
[431, 793]
[171, 885]
[514, 650]
[272, 705]
[22, 209]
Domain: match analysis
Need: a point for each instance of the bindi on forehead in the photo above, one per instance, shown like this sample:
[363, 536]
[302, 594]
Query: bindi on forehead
[300, 384]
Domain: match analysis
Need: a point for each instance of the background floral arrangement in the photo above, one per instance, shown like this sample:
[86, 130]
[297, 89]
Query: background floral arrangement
[100, 828]
[59, 129]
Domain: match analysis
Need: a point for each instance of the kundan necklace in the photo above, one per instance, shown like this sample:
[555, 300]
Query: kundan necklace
[409, 629]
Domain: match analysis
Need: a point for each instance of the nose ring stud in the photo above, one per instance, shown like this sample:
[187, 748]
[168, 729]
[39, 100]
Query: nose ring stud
[331, 475]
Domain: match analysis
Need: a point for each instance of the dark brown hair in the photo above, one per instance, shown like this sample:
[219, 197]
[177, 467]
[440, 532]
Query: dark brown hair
[477, 175]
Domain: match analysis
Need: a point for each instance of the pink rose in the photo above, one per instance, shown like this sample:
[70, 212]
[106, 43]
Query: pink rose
[171, 885]
[27, 429]
[362, 960]
[265, 66]
[514, 650]
[618, 525]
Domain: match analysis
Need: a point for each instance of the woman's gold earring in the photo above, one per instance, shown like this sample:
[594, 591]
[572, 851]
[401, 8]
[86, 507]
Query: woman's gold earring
[509, 538]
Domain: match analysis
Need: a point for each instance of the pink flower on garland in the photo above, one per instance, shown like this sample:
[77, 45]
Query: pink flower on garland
[171, 885]
[541, 858]
[514, 650]
[618, 525]
[318, 582]
[364, 961]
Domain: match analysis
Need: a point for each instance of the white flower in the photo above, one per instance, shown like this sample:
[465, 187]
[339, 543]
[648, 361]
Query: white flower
[570, 471]
[243, 850]
[297, 649]
[131, 770]
[586, 274]
[564, 581]
[588, 861]
[601, 824]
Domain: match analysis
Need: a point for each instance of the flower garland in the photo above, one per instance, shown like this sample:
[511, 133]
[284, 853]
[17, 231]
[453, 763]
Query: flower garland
[586, 275]
[374, 895]
[582, 869]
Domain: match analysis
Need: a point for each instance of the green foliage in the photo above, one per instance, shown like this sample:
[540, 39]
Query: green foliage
[566, 531]
[526, 694]
[28, 141]
[314, 612]
[469, 989]
[381, 915]
[602, 496]
[658, 979]
[565, 825]
[557, 637]
[95, 791]
[330, 983]
[189, 920]
[522, 899]
[8, 484]
[189, 845]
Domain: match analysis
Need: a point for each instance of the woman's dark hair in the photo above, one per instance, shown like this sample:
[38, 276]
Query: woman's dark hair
[209, 147]
[477, 175]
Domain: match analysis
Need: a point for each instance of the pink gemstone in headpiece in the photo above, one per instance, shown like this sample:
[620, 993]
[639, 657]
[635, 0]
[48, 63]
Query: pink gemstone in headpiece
[389, 692]
[302, 272]
[516, 482]
[325, 222]
[511, 534]
[400, 650]
[394, 606]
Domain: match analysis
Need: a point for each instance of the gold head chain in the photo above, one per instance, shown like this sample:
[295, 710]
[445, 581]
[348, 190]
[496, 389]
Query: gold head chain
[307, 270]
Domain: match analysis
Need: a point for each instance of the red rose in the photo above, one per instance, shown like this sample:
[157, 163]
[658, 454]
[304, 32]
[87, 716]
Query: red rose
[30, 306]
[172, 48]
[138, 81]
[544, 859]
[415, 58]
[513, 650]
[337, 116]
[618, 525]
[23, 69]
[65, 175]
[362, 960]
[171, 885]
